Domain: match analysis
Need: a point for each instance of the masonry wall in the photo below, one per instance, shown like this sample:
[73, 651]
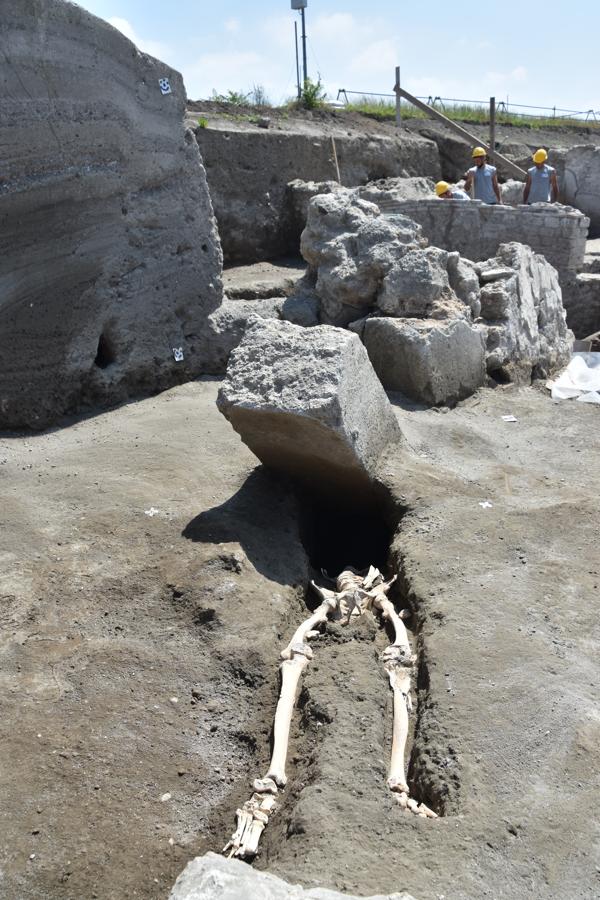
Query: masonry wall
[476, 230]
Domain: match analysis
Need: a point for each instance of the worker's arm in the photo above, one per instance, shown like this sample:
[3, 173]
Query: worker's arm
[496, 187]
[554, 187]
[527, 188]
[468, 181]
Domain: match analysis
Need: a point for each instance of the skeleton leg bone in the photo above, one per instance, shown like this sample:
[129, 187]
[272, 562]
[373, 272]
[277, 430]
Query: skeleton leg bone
[254, 815]
[399, 662]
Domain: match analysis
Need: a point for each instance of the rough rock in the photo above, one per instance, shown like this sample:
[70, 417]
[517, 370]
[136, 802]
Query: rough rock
[298, 194]
[431, 361]
[109, 255]
[250, 193]
[351, 246]
[581, 183]
[464, 281]
[307, 402]
[211, 877]
[527, 334]
[393, 190]
[514, 150]
[301, 307]
[385, 191]
[415, 283]
[512, 192]
[227, 324]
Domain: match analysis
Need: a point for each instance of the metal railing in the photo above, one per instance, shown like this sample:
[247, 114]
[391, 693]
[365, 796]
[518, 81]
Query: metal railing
[502, 107]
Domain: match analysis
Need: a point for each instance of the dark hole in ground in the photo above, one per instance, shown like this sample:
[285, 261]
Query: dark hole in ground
[335, 537]
[105, 355]
[499, 376]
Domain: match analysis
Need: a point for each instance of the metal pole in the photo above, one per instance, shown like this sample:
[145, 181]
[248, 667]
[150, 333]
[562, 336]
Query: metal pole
[398, 98]
[304, 45]
[492, 128]
[297, 61]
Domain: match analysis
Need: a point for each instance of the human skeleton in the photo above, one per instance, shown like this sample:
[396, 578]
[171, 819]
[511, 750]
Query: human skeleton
[356, 593]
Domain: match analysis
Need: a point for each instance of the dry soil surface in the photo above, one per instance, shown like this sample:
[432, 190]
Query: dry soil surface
[151, 572]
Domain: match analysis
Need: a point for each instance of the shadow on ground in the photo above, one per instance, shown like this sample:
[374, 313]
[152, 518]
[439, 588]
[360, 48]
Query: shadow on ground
[262, 517]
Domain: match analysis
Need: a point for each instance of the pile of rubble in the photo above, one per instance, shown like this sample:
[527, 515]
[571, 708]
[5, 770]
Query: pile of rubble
[434, 324]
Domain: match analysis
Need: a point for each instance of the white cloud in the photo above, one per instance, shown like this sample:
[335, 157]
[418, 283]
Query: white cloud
[153, 48]
[231, 70]
[378, 58]
[518, 75]
[232, 25]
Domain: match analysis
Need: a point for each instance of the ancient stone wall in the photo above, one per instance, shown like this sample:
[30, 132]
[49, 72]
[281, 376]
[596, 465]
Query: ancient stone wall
[476, 230]
[581, 299]
[581, 184]
[248, 171]
[109, 252]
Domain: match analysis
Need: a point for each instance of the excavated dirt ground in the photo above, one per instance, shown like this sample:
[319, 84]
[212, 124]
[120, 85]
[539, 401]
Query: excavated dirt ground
[328, 119]
[151, 572]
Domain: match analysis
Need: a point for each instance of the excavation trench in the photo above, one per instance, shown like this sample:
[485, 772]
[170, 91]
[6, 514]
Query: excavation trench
[341, 731]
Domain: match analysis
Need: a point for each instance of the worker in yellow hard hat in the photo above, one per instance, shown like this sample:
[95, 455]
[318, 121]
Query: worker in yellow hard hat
[482, 177]
[541, 185]
[446, 191]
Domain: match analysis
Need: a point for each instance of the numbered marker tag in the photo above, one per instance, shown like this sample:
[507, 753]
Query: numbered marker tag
[178, 354]
[164, 85]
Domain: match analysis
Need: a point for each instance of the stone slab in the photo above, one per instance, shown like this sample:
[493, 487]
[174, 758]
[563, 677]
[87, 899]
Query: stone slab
[435, 362]
[212, 877]
[307, 402]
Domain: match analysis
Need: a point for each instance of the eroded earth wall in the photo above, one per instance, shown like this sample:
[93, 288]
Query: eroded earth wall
[248, 170]
[109, 253]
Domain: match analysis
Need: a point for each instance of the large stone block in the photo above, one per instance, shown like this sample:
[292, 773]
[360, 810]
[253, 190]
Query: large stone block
[109, 253]
[437, 362]
[521, 306]
[227, 326]
[307, 402]
[211, 877]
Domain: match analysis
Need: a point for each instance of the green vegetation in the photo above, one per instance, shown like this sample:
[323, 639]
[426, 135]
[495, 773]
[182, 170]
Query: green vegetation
[255, 97]
[313, 94]
[385, 110]
[258, 96]
[235, 98]
[202, 122]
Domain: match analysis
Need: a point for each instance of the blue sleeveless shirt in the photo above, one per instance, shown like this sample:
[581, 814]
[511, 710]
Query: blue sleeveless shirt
[482, 181]
[540, 190]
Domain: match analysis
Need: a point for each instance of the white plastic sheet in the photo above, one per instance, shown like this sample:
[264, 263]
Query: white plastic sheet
[580, 380]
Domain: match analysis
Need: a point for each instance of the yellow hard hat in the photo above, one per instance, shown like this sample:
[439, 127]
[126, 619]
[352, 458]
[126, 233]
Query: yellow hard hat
[441, 188]
[540, 156]
[478, 151]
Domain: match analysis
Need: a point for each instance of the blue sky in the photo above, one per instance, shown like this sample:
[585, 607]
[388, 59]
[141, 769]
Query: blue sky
[537, 54]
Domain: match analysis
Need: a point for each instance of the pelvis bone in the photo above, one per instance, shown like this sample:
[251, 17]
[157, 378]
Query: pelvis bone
[355, 594]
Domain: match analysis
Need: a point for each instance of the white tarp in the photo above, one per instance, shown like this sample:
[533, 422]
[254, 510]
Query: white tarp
[580, 380]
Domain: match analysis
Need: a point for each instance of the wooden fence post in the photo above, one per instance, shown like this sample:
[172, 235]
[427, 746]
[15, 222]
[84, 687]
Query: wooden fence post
[492, 128]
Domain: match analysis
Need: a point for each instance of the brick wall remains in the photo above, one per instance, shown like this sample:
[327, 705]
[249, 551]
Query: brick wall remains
[476, 230]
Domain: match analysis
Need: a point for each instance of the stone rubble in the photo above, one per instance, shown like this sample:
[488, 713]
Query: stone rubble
[417, 308]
